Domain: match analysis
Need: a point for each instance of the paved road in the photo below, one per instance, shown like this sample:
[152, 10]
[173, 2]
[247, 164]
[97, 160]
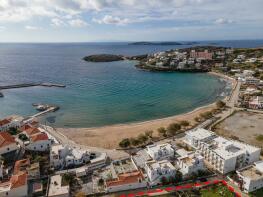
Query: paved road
[112, 153]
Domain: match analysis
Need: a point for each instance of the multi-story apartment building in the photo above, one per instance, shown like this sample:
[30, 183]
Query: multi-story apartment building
[222, 154]
[251, 177]
[160, 151]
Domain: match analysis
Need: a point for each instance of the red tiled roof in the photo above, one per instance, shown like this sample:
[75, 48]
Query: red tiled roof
[132, 177]
[39, 137]
[18, 180]
[20, 165]
[4, 122]
[6, 139]
[32, 131]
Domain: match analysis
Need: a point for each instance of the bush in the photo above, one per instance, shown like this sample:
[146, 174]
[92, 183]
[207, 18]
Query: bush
[220, 104]
[162, 131]
[184, 123]
[134, 141]
[149, 133]
[125, 143]
[23, 137]
[142, 138]
[173, 128]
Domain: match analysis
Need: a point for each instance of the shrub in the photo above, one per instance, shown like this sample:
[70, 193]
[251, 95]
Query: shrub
[125, 143]
[162, 131]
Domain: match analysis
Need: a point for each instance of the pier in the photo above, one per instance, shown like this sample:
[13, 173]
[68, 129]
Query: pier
[25, 85]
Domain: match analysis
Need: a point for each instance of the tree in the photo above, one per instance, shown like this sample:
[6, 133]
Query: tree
[206, 115]
[125, 143]
[184, 123]
[142, 138]
[220, 104]
[23, 137]
[162, 131]
[13, 131]
[149, 133]
[197, 119]
[100, 182]
[164, 180]
[134, 141]
[173, 128]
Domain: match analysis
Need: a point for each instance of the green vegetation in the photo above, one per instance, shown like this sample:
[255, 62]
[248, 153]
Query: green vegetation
[162, 131]
[13, 131]
[125, 143]
[23, 137]
[257, 193]
[149, 133]
[173, 128]
[217, 191]
[259, 137]
[220, 104]
[184, 123]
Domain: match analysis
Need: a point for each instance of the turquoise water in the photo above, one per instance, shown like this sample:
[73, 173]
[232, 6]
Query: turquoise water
[97, 94]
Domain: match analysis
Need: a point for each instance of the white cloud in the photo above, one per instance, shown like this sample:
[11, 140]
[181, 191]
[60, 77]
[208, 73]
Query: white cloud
[56, 22]
[29, 27]
[222, 21]
[108, 19]
[77, 23]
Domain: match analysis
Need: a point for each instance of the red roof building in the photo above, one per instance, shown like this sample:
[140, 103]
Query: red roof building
[6, 139]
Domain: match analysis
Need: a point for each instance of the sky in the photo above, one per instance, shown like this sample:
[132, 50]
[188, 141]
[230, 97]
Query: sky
[129, 20]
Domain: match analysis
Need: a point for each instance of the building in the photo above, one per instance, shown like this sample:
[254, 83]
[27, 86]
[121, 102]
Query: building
[7, 143]
[157, 169]
[56, 187]
[124, 175]
[126, 181]
[251, 177]
[160, 151]
[201, 54]
[222, 154]
[251, 81]
[10, 122]
[24, 165]
[256, 103]
[63, 156]
[191, 163]
[39, 142]
[15, 187]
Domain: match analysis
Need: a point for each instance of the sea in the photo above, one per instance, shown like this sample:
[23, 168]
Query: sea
[99, 94]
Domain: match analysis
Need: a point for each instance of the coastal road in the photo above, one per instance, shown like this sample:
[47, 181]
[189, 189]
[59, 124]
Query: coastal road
[230, 103]
[112, 153]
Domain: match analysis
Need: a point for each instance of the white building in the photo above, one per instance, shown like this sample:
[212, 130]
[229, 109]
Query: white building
[222, 154]
[15, 187]
[251, 177]
[124, 176]
[39, 142]
[61, 156]
[157, 169]
[191, 163]
[256, 103]
[160, 151]
[11, 122]
[56, 188]
[7, 143]
[251, 81]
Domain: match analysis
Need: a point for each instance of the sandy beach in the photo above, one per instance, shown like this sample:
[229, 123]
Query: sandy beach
[109, 136]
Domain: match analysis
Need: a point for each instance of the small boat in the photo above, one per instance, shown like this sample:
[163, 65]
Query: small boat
[1, 94]
[42, 107]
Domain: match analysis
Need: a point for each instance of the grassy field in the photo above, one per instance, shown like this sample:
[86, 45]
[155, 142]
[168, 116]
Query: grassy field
[216, 191]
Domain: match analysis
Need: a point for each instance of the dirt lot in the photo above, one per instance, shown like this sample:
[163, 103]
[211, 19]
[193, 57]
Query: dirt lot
[247, 126]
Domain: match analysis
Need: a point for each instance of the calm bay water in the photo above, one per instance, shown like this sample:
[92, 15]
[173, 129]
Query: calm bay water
[100, 93]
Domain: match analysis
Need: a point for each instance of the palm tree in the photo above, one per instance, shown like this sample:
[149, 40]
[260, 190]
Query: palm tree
[142, 138]
[184, 123]
[149, 133]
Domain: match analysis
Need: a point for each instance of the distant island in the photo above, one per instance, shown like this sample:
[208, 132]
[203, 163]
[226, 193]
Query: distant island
[112, 58]
[163, 43]
[103, 58]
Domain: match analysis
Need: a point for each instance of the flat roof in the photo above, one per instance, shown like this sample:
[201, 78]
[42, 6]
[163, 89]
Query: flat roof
[55, 187]
[251, 172]
[201, 133]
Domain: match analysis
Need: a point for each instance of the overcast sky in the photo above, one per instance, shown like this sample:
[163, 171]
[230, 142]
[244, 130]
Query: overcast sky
[129, 20]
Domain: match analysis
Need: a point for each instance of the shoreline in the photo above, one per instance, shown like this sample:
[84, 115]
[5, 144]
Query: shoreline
[95, 136]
